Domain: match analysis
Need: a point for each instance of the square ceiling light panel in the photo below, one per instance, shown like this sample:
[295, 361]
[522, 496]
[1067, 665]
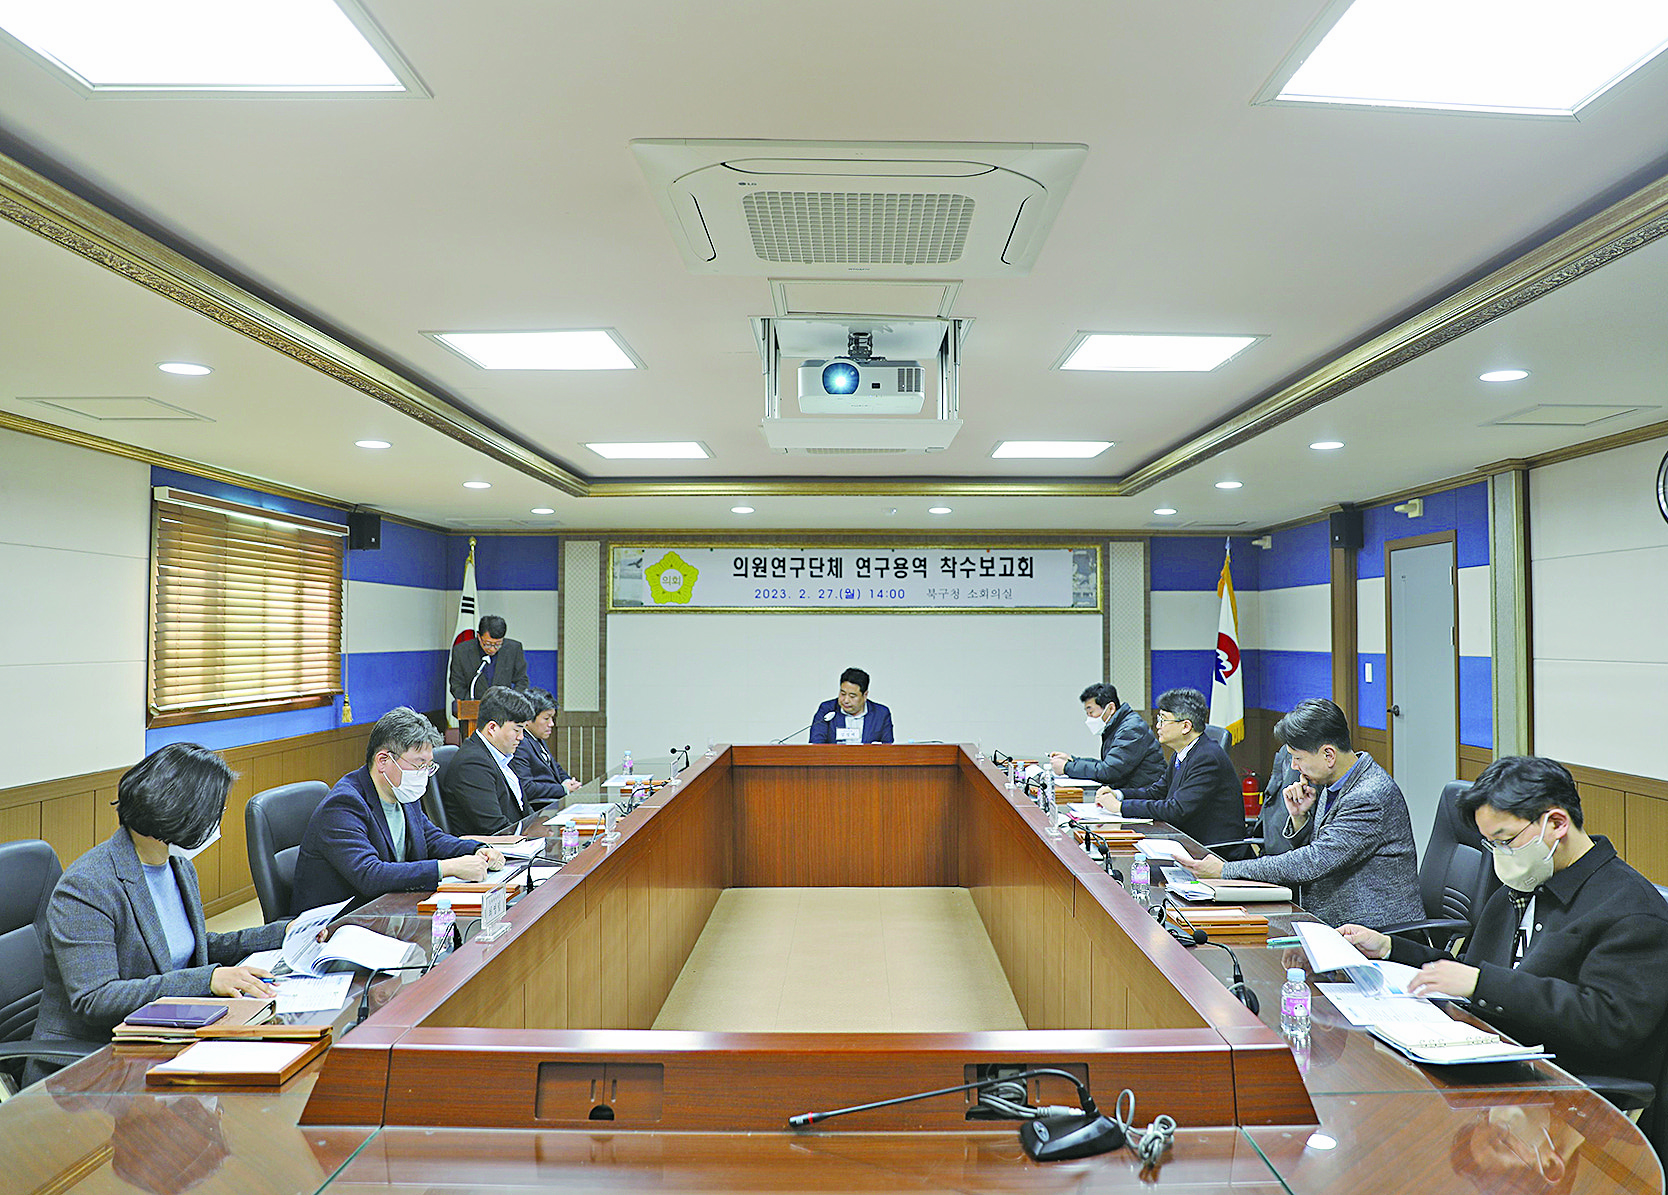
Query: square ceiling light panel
[665, 450]
[250, 47]
[1522, 57]
[1142, 353]
[573, 348]
[1040, 450]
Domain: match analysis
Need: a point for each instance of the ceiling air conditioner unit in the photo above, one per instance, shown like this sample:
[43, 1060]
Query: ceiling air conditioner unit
[854, 435]
[886, 209]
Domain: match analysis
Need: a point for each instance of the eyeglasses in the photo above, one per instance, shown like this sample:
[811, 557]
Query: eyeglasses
[427, 769]
[1508, 848]
[1161, 720]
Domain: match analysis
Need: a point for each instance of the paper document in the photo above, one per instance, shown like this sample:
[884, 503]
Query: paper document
[1327, 950]
[1090, 812]
[539, 873]
[624, 781]
[1453, 1042]
[313, 993]
[525, 849]
[1359, 1008]
[301, 938]
[1161, 848]
[234, 1057]
[354, 946]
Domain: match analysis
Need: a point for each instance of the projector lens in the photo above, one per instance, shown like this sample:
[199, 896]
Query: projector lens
[839, 377]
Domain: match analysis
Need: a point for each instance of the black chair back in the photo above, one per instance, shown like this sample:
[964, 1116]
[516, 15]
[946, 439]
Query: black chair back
[1220, 736]
[1457, 876]
[275, 821]
[28, 871]
[433, 804]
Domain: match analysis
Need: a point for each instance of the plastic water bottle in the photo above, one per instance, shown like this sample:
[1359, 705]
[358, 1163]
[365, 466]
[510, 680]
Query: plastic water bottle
[625, 768]
[442, 929]
[1294, 1003]
[570, 841]
[1140, 871]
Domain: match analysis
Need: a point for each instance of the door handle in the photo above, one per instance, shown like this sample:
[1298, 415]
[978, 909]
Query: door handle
[1394, 711]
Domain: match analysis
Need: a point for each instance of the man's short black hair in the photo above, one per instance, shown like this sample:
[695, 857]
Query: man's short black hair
[1524, 786]
[1102, 694]
[492, 626]
[856, 676]
[502, 705]
[1185, 703]
[398, 731]
[176, 793]
[541, 700]
[1314, 724]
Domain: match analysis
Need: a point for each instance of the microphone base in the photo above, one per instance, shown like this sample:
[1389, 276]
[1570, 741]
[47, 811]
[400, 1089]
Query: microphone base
[1058, 1138]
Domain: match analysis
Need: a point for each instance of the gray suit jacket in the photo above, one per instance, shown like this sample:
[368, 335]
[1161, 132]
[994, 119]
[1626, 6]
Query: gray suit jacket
[1360, 864]
[106, 954]
[509, 668]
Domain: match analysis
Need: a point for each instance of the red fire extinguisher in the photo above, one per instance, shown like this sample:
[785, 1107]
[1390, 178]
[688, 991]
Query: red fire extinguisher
[1253, 794]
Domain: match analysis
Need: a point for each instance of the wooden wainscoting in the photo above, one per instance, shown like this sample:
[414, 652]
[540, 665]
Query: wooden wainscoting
[76, 813]
[1473, 760]
[1631, 811]
[580, 744]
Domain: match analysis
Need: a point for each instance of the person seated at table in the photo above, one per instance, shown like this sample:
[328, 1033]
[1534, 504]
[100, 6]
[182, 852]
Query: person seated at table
[125, 925]
[1571, 952]
[1280, 832]
[852, 717]
[1199, 794]
[370, 836]
[1359, 863]
[482, 794]
[1129, 754]
[543, 782]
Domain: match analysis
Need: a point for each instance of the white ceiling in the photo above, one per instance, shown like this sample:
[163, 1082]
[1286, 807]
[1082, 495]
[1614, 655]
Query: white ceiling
[511, 199]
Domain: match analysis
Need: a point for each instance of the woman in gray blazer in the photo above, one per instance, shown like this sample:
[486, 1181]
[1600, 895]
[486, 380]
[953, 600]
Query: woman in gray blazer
[125, 926]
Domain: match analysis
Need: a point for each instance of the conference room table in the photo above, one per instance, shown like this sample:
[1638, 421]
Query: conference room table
[448, 1086]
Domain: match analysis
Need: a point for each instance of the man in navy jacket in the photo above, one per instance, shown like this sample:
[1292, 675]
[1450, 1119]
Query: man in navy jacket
[543, 780]
[852, 717]
[370, 835]
[1199, 794]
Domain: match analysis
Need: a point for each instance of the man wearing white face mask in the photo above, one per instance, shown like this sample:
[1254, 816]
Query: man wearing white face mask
[125, 925]
[370, 835]
[1572, 951]
[1129, 753]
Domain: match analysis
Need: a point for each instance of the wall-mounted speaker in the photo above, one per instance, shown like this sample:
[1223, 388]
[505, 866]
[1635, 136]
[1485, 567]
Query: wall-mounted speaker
[1347, 528]
[364, 530]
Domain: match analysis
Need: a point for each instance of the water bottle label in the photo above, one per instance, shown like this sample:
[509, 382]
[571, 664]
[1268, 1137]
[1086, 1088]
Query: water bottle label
[1295, 1005]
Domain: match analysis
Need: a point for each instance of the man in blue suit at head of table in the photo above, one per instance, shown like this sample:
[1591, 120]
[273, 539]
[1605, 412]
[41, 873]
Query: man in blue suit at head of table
[852, 717]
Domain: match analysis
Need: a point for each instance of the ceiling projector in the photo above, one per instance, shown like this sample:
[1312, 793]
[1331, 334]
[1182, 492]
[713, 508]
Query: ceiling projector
[861, 386]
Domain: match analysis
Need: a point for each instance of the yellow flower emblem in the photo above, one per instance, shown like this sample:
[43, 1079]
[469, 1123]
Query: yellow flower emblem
[671, 580]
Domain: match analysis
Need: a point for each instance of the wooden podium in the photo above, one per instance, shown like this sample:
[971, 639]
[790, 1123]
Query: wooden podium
[469, 713]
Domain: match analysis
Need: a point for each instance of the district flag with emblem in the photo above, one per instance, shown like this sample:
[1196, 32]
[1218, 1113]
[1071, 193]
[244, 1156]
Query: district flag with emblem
[467, 618]
[1227, 687]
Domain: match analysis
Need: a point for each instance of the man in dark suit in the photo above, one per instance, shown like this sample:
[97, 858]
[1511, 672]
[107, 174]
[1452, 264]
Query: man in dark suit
[486, 660]
[852, 717]
[481, 793]
[1199, 794]
[543, 782]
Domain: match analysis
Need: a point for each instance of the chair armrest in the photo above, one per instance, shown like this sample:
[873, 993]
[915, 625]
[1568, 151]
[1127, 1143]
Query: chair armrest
[1626, 1094]
[67, 1050]
[1236, 851]
[1438, 931]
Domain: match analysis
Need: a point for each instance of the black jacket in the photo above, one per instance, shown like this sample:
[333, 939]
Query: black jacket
[1130, 756]
[478, 797]
[1201, 798]
[509, 668]
[540, 775]
[1590, 986]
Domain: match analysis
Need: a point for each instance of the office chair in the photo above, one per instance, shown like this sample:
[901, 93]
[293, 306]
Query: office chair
[1456, 878]
[433, 804]
[275, 821]
[29, 870]
[1220, 736]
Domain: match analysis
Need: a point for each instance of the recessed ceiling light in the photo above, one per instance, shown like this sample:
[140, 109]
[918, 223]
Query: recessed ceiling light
[1050, 449]
[938, 510]
[543, 510]
[1164, 510]
[1152, 354]
[209, 45]
[670, 450]
[1229, 485]
[186, 369]
[741, 510]
[1481, 56]
[372, 444]
[1327, 445]
[1503, 375]
[477, 485]
[578, 348]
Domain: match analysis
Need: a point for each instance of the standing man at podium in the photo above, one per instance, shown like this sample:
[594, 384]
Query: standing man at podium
[486, 660]
[852, 717]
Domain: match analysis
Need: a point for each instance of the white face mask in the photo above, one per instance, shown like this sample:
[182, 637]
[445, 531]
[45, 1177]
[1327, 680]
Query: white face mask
[191, 852]
[1095, 725]
[412, 785]
[1525, 870]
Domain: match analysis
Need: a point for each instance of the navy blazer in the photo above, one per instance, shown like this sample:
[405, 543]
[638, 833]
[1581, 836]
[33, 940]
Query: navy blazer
[1201, 798]
[478, 796]
[540, 775]
[877, 722]
[347, 854]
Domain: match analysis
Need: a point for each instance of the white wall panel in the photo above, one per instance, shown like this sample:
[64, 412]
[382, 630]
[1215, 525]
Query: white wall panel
[530, 613]
[1126, 584]
[107, 697]
[383, 617]
[75, 607]
[1369, 615]
[1597, 504]
[1608, 607]
[1004, 680]
[1476, 612]
[1298, 618]
[1186, 620]
[581, 659]
[1570, 693]
[54, 495]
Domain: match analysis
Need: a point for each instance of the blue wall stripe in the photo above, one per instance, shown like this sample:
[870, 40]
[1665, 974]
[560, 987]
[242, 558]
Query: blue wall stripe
[1300, 556]
[541, 671]
[377, 681]
[236, 493]
[505, 561]
[408, 556]
[1476, 701]
[240, 732]
[1195, 562]
[1463, 511]
[1284, 678]
[1370, 697]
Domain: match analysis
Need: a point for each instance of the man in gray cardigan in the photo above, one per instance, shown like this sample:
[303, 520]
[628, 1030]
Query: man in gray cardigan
[1360, 863]
[1129, 754]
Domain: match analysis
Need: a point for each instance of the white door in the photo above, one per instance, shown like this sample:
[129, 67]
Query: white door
[1423, 716]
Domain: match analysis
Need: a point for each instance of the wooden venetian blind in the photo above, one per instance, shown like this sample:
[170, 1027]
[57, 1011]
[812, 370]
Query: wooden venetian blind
[246, 609]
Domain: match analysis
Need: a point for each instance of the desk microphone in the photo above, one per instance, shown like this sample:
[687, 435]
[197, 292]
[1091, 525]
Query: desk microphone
[1239, 988]
[485, 659]
[674, 752]
[828, 717]
[1196, 936]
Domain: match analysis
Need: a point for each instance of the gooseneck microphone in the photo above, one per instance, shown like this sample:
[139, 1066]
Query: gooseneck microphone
[1240, 990]
[1050, 1139]
[828, 717]
[476, 679]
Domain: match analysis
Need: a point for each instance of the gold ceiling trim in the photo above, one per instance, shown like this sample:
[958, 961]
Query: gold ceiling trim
[860, 487]
[1629, 224]
[34, 202]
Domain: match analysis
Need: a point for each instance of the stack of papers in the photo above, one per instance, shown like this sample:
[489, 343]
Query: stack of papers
[1162, 848]
[1096, 813]
[1327, 951]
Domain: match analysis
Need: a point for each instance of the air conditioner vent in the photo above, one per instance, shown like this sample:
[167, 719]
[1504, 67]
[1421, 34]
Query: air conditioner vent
[850, 451]
[835, 228]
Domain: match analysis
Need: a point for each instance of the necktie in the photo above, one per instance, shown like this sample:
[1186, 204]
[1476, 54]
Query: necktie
[1520, 940]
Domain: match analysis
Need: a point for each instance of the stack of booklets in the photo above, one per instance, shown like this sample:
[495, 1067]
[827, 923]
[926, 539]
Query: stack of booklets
[1221, 921]
[236, 1063]
[466, 896]
[181, 1019]
[1238, 891]
[1443, 1041]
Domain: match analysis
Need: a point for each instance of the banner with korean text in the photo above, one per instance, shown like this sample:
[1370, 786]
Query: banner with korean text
[920, 579]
